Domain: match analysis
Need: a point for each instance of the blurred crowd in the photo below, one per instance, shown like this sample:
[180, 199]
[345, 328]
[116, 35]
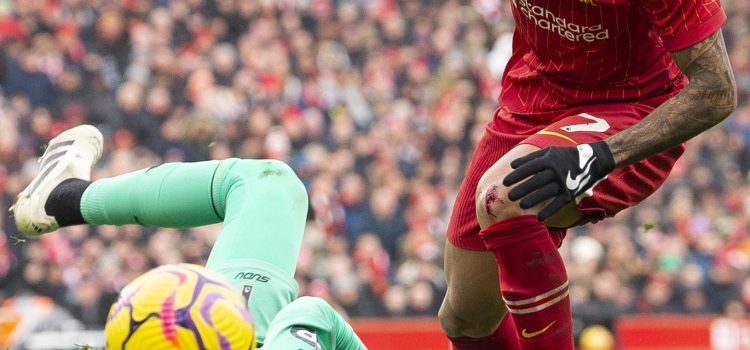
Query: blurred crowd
[377, 105]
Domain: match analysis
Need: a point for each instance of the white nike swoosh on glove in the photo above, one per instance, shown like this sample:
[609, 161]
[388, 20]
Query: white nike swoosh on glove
[585, 159]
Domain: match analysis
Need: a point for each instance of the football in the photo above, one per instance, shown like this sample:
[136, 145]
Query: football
[180, 306]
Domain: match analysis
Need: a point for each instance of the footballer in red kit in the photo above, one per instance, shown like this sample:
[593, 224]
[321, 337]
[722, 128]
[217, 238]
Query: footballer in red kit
[597, 101]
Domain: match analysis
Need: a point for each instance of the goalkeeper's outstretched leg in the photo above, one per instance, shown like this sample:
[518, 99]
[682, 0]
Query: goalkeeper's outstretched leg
[262, 204]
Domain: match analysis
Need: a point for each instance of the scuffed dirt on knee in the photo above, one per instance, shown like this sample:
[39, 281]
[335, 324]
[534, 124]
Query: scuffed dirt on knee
[271, 172]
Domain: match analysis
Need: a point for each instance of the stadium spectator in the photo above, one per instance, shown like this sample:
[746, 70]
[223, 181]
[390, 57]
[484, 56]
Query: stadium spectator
[376, 104]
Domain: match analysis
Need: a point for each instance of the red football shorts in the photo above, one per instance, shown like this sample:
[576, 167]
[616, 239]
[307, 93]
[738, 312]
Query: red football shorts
[622, 188]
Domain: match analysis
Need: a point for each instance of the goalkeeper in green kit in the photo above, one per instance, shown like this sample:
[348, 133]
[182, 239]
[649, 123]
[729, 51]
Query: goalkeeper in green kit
[262, 204]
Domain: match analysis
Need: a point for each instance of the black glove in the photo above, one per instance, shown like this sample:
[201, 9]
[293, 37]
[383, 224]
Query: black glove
[558, 173]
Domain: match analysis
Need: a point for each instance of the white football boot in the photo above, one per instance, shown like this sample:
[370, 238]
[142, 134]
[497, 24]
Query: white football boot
[72, 154]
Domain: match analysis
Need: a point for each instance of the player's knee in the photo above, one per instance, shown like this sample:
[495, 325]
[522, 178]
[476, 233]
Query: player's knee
[493, 205]
[281, 174]
[277, 176]
[474, 325]
[451, 325]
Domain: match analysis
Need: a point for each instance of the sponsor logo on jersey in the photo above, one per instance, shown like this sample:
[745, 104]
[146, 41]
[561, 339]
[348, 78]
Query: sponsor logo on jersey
[252, 276]
[550, 21]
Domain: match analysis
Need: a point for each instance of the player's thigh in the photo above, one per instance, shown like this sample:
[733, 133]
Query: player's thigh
[576, 126]
[625, 186]
[265, 288]
[495, 206]
[472, 305]
[264, 207]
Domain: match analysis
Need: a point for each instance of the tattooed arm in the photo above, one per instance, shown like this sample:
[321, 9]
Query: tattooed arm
[557, 175]
[709, 98]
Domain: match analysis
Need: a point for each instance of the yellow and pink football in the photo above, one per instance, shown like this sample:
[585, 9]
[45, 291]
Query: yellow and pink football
[181, 306]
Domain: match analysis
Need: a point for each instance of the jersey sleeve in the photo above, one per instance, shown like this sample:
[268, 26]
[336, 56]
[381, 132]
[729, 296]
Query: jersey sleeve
[683, 23]
[309, 323]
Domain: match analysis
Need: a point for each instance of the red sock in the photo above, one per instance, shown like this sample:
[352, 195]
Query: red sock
[504, 338]
[533, 282]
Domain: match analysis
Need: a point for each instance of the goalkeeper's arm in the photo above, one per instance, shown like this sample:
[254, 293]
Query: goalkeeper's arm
[310, 323]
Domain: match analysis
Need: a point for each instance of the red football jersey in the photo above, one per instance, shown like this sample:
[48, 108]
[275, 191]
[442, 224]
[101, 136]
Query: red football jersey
[568, 53]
